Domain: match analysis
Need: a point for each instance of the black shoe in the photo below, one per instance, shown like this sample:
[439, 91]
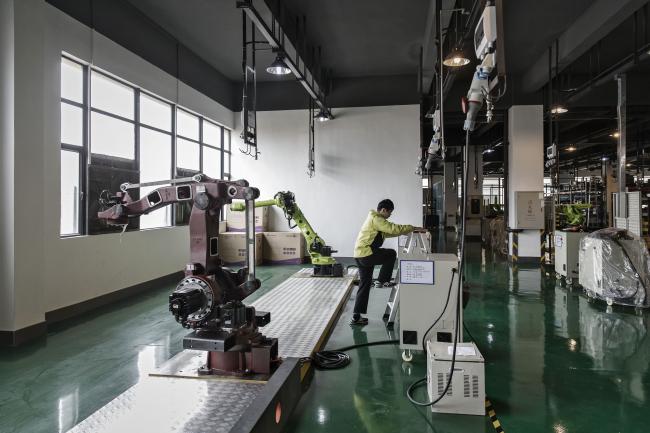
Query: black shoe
[361, 321]
[379, 284]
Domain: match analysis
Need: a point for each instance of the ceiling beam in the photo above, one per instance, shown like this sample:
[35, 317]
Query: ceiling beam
[595, 23]
[275, 36]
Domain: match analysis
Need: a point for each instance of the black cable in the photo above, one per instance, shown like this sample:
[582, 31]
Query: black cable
[337, 358]
[424, 337]
[418, 382]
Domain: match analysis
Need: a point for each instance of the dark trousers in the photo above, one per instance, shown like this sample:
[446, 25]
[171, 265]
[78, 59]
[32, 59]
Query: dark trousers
[381, 256]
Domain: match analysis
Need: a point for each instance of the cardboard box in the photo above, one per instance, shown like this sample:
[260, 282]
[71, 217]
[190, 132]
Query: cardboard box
[284, 248]
[232, 248]
[236, 221]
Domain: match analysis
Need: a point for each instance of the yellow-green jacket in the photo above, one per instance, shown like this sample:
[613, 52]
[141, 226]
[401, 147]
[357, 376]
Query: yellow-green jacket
[376, 224]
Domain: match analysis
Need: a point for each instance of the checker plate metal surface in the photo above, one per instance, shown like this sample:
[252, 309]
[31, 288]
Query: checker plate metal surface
[301, 311]
[175, 399]
[309, 273]
[166, 405]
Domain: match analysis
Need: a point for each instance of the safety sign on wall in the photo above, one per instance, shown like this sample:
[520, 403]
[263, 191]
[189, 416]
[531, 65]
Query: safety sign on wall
[416, 272]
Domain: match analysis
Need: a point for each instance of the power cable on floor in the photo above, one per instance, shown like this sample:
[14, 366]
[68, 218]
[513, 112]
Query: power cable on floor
[335, 359]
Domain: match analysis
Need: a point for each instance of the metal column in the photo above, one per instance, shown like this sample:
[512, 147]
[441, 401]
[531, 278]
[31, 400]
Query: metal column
[621, 148]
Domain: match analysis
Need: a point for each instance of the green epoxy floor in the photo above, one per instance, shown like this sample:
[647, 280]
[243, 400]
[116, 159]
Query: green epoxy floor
[556, 362]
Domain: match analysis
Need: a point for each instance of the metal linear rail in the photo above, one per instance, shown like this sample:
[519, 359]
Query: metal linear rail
[306, 77]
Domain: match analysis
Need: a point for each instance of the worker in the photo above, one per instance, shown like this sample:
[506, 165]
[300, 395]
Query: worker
[368, 253]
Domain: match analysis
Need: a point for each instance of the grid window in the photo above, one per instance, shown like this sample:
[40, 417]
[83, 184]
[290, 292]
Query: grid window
[111, 96]
[187, 125]
[73, 147]
[112, 136]
[72, 124]
[212, 162]
[132, 136]
[227, 155]
[155, 113]
[211, 134]
[70, 192]
[188, 155]
[155, 165]
[72, 82]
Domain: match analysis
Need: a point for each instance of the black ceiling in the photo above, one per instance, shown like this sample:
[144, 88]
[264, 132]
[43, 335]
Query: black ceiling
[359, 38]
[372, 48]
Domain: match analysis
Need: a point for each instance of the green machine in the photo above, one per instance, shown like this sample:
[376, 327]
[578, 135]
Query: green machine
[573, 214]
[321, 254]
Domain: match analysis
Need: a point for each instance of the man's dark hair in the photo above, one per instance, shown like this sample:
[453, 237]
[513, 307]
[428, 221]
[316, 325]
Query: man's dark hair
[386, 204]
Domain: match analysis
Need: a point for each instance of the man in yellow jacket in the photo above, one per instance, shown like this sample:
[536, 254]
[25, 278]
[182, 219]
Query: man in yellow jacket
[368, 254]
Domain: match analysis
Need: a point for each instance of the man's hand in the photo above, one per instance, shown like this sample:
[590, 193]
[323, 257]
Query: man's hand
[419, 230]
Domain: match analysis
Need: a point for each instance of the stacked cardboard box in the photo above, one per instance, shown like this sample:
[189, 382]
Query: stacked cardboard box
[232, 248]
[236, 221]
[284, 248]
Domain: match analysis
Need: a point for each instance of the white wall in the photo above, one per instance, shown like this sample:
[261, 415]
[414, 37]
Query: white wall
[42, 272]
[6, 163]
[362, 156]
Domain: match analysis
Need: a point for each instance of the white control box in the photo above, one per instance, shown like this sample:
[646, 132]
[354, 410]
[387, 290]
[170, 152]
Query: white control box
[466, 393]
[424, 280]
[567, 248]
[529, 210]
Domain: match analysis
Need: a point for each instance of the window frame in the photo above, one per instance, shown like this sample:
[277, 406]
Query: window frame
[82, 151]
[88, 159]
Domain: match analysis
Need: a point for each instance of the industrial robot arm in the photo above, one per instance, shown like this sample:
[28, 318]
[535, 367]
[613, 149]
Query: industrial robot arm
[319, 252]
[209, 298]
[485, 39]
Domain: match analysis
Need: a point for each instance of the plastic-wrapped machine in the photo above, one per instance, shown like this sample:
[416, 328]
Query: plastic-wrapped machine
[498, 235]
[615, 267]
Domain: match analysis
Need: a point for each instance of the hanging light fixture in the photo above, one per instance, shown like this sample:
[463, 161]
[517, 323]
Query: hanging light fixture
[615, 134]
[278, 67]
[456, 59]
[559, 109]
[323, 116]
[571, 148]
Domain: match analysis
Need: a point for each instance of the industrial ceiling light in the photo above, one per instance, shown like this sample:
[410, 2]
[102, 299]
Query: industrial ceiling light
[604, 158]
[615, 134]
[559, 109]
[456, 59]
[323, 116]
[571, 148]
[278, 67]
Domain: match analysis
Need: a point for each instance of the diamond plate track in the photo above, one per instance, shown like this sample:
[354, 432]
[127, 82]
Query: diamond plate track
[166, 405]
[302, 310]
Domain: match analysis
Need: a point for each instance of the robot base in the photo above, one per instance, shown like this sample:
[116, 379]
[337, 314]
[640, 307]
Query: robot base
[334, 270]
[261, 359]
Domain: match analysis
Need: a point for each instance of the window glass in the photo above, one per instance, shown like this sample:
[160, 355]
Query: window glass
[226, 139]
[71, 124]
[212, 162]
[226, 163]
[111, 96]
[110, 136]
[156, 113]
[69, 192]
[187, 155]
[211, 134]
[187, 125]
[72, 82]
[155, 164]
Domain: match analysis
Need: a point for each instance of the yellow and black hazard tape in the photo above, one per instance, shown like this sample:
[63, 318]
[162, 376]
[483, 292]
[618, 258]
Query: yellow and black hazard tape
[493, 416]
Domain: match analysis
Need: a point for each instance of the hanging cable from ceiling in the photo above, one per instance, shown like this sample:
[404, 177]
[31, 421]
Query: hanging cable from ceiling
[311, 164]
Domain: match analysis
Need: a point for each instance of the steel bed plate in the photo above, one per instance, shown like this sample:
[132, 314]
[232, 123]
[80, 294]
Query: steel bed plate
[176, 399]
[302, 311]
[166, 405]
